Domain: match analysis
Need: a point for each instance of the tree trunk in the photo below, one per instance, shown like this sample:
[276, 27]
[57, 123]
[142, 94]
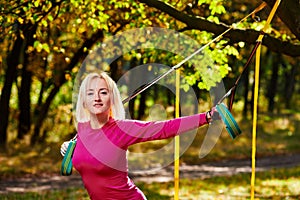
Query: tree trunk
[272, 89]
[78, 56]
[142, 105]
[43, 113]
[24, 104]
[252, 99]
[10, 75]
[131, 105]
[246, 91]
[40, 99]
[290, 80]
[24, 93]
[41, 94]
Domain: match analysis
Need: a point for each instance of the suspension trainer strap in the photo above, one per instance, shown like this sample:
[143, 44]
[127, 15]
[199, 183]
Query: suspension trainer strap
[177, 139]
[67, 166]
[243, 71]
[255, 103]
[231, 125]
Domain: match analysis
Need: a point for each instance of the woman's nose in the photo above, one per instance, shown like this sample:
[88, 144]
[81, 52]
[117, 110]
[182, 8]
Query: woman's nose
[97, 96]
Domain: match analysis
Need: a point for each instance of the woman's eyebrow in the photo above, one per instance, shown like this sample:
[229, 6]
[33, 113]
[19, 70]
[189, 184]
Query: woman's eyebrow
[99, 89]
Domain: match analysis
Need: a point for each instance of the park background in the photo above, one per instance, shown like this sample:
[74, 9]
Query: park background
[44, 42]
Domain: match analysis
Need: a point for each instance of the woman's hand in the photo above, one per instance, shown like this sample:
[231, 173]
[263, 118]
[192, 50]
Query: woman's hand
[212, 115]
[64, 147]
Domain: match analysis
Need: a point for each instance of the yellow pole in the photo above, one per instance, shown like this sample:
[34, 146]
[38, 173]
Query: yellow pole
[256, 91]
[177, 142]
[256, 86]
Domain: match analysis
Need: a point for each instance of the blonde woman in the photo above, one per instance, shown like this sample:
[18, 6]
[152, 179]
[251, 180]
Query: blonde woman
[104, 136]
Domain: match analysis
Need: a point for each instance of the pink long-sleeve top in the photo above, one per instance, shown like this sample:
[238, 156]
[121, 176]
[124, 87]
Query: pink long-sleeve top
[100, 154]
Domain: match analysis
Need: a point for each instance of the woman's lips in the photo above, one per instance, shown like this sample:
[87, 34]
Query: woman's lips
[98, 105]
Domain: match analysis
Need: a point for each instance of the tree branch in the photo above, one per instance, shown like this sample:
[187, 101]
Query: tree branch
[235, 35]
[289, 13]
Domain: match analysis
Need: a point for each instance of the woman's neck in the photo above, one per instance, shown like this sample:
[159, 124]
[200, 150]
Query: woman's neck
[98, 121]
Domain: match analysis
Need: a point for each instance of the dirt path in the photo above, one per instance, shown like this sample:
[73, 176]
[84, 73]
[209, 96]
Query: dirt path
[224, 168]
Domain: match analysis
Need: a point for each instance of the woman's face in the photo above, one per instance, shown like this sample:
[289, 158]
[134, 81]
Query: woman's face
[98, 97]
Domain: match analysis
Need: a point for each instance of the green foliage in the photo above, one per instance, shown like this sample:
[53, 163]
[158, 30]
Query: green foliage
[63, 26]
[215, 6]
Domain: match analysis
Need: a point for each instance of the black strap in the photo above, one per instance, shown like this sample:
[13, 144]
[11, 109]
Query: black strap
[231, 91]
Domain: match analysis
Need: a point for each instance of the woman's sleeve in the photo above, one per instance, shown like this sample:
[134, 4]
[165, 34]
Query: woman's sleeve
[139, 131]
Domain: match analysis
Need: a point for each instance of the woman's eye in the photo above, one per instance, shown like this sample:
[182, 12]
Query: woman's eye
[104, 92]
[90, 93]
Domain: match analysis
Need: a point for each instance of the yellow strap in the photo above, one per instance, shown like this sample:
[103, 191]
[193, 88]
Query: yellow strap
[256, 88]
[177, 142]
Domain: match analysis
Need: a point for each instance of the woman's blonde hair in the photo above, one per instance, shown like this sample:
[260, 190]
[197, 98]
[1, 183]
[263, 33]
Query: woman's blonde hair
[117, 108]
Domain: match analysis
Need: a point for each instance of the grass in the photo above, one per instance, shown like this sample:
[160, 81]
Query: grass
[69, 194]
[274, 184]
[275, 135]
